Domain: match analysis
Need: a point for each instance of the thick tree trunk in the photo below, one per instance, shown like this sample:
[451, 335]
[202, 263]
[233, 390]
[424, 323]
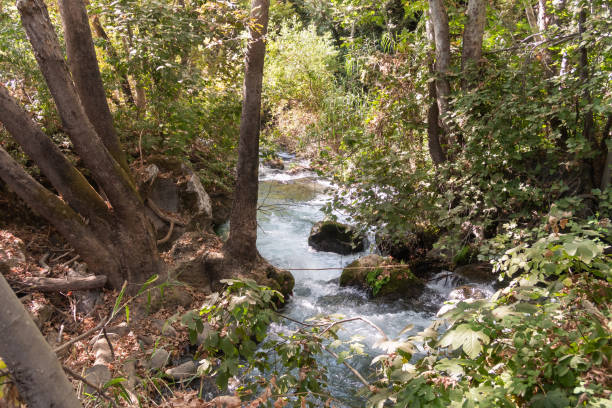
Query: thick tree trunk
[241, 243]
[66, 179]
[439, 20]
[83, 64]
[472, 41]
[108, 173]
[112, 52]
[62, 217]
[123, 247]
[38, 375]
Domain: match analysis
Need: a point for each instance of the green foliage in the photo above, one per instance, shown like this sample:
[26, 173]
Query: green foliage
[376, 280]
[544, 341]
[280, 366]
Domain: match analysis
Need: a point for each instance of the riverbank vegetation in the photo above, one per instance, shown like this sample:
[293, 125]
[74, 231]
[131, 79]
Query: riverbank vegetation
[459, 132]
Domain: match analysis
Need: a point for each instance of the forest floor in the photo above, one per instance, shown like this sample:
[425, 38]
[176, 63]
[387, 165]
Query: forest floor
[34, 249]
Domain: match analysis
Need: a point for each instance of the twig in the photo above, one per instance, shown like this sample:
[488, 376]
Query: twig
[82, 336]
[350, 367]
[110, 345]
[57, 258]
[363, 319]
[168, 235]
[87, 382]
[43, 261]
[76, 258]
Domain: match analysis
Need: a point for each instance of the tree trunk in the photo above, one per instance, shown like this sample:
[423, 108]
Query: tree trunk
[434, 131]
[38, 375]
[588, 124]
[472, 41]
[112, 52]
[241, 243]
[439, 20]
[115, 238]
[83, 64]
[62, 217]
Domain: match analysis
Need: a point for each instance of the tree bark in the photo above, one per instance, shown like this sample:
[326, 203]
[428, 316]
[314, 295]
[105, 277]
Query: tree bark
[241, 243]
[112, 52]
[588, 123]
[434, 131]
[472, 41]
[38, 375]
[439, 20]
[83, 64]
[62, 217]
[57, 285]
[66, 179]
[119, 241]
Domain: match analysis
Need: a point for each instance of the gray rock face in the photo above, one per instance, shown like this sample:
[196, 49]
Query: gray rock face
[185, 370]
[176, 189]
[331, 236]
[98, 375]
[159, 359]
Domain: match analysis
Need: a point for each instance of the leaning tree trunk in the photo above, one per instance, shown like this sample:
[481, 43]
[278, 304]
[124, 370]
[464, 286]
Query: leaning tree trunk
[114, 237]
[472, 41]
[439, 20]
[86, 75]
[33, 365]
[241, 243]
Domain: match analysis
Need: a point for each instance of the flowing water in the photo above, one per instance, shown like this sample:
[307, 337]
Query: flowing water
[289, 206]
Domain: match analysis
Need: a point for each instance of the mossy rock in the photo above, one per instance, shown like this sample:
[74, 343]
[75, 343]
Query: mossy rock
[332, 236]
[369, 273]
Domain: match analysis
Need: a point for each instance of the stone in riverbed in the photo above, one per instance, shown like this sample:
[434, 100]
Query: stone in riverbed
[331, 236]
[369, 273]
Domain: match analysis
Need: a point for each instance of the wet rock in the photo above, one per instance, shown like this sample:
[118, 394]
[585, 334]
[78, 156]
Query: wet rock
[159, 359]
[369, 273]
[410, 246]
[467, 292]
[98, 375]
[481, 272]
[331, 236]
[185, 370]
[275, 163]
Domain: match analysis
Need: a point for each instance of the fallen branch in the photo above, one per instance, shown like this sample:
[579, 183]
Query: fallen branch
[63, 285]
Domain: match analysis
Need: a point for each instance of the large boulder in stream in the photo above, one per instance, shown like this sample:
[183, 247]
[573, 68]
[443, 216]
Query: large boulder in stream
[382, 278]
[332, 236]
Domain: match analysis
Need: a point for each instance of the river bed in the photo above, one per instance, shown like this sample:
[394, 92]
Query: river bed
[289, 206]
